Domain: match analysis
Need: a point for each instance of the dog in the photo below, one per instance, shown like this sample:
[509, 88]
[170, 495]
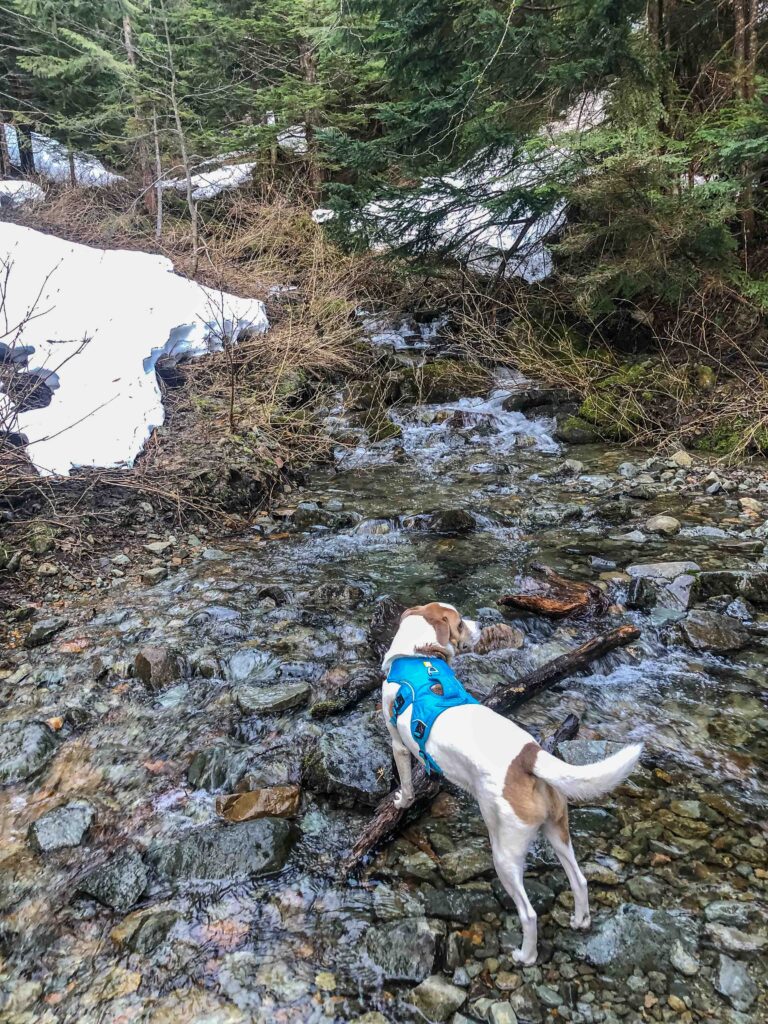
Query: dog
[520, 787]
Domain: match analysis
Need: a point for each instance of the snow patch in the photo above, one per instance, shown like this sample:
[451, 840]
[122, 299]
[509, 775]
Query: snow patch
[99, 320]
[52, 161]
[208, 184]
[18, 193]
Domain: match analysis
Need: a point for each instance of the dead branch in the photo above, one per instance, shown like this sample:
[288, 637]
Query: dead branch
[555, 596]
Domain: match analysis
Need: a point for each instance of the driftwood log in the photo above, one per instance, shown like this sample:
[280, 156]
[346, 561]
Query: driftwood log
[503, 698]
[548, 593]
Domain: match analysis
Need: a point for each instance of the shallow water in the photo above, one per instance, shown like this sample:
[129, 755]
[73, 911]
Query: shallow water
[301, 946]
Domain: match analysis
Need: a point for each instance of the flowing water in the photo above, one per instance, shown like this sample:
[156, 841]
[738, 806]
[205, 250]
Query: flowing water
[454, 509]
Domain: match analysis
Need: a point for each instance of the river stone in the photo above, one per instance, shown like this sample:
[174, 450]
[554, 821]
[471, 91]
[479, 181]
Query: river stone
[663, 584]
[437, 998]
[264, 700]
[502, 1013]
[709, 631]
[469, 861]
[682, 459]
[25, 747]
[153, 576]
[733, 981]
[118, 883]
[728, 912]
[271, 802]
[667, 525]
[734, 941]
[157, 666]
[252, 666]
[353, 760]
[634, 938]
[152, 930]
[452, 521]
[574, 430]
[404, 950]
[61, 827]
[44, 631]
[464, 905]
[232, 853]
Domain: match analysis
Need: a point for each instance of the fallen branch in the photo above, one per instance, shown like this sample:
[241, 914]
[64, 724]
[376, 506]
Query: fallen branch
[548, 593]
[503, 698]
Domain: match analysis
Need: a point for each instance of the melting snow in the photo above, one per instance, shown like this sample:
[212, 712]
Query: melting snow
[99, 320]
[17, 193]
[210, 183]
[52, 161]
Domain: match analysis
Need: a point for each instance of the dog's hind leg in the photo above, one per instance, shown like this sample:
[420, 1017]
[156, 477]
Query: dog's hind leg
[509, 851]
[561, 843]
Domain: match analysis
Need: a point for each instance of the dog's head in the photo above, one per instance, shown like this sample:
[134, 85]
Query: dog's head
[452, 632]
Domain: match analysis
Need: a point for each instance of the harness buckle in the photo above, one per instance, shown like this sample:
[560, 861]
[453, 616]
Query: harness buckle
[419, 728]
[431, 670]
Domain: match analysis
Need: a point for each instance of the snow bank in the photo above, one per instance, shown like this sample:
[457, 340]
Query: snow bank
[17, 193]
[210, 183]
[52, 161]
[100, 319]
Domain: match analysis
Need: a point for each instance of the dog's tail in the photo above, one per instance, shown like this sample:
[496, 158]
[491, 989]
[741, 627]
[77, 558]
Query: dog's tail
[586, 781]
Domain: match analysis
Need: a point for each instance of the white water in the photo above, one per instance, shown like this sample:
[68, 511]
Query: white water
[100, 319]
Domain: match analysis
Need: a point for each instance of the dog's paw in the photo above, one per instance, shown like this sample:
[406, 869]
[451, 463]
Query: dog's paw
[520, 958]
[401, 802]
[581, 922]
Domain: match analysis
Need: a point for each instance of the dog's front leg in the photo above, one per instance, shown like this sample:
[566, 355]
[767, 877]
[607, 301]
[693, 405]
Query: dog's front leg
[402, 755]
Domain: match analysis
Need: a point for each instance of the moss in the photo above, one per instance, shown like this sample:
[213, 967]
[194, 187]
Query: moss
[575, 430]
[448, 380]
[724, 438]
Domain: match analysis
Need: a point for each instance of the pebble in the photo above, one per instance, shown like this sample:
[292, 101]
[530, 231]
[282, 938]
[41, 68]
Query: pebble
[501, 1013]
[666, 525]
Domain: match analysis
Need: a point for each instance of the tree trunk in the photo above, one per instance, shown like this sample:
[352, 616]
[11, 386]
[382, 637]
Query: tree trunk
[503, 698]
[142, 148]
[158, 179]
[72, 167]
[6, 167]
[26, 152]
[308, 64]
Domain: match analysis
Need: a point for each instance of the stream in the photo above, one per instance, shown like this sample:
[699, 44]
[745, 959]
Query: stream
[134, 901]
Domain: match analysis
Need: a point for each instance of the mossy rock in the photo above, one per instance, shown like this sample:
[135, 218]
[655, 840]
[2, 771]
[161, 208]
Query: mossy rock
[575, 430]
[447, 380]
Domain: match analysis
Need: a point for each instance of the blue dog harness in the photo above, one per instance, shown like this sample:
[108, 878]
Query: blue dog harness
[430, 687]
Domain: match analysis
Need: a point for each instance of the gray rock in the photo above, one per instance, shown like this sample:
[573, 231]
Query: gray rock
[153, 576]
[152, 931]
[734, 941]
[708, 631]
[353, 760]
[666, 525]
[662, 570]
[159, 547]
[61, 827]
[234, 853]
[404, 950]
[574, 430]
[549, 996]
[437, 998]
[25, 748]
[502, 1013]
[452, 521]
[464, 905]
[752, 586]
[44, 631]
[733, 981]
[157, 666]
[262, 700]
[662, 584]
[634, 938]
[469, 861]
[118, 883]
[252, 666]
[729, 912]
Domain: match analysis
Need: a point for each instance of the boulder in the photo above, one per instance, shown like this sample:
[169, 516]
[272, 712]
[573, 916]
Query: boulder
[353, 760]
[452, 521]
[666, 525]
[61, 827]
[574, 430]
[734, 983]
[464, 905]
[44, 631]
[662, 584]
[538, 401]
[25, 748]
[752, 586]
[231, 853]
[274, 802]
[682, 459]
[157, 666]
[437, 998]
[404, 950]
[709, 631]
[269, 700]
[153, 576]
[119, 882]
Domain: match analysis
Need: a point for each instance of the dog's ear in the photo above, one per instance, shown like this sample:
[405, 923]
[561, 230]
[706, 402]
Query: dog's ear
[434, 651]
[452, 620]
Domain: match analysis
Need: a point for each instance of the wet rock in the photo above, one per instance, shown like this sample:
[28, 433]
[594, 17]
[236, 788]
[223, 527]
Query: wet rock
[733, 981]
[354, 760]
[119, 882]
[642, 594]
[273, 802]
[220, 766]
[672, 584]
[464, 905]
[61, 827]
[269, 700]
[232, 853]
[502, 1013]
[666, 525]
[682, 960]
[708, 631]
[25, 748]
[616, 512]
[153, 576]
[752, 586]
[44, 631]
[147, 931]
[338, 596]
[634, 938]
[541, 401]
[437, 998]
[157, 666]
[404, 950]
[309, 515]
[467, 862]
[452, 522]
[252, 666]
[728, 912]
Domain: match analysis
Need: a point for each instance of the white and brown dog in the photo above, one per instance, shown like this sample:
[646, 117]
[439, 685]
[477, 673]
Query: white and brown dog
[519, 786]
